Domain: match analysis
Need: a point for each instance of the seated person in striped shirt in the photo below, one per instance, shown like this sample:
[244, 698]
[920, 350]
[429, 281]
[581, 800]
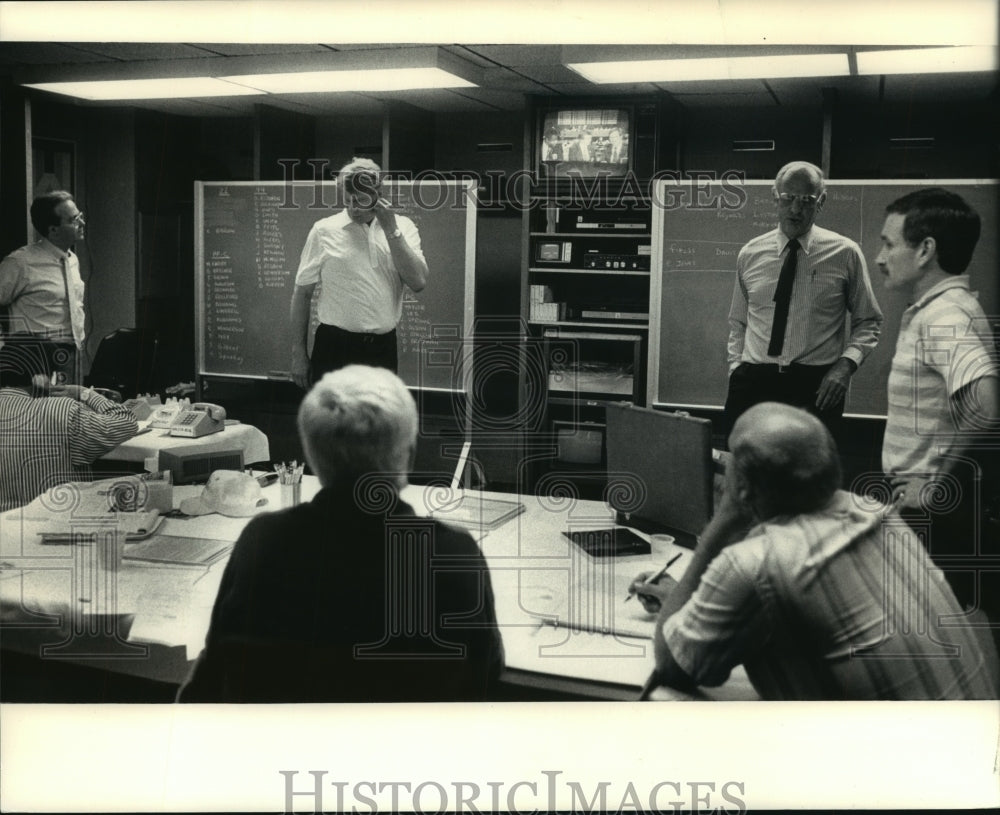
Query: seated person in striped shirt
[826, 596]
[939, 451]
[49, 436]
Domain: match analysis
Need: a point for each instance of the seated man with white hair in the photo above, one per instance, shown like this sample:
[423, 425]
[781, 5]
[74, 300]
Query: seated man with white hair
[352, 597]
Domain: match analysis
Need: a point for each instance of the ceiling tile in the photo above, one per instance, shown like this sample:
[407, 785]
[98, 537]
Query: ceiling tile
[321, 104]
[510, 80]
[707, 87]
[944, 87]
[584, 88]
[247, 49]
[726, 100]
[519, 55]
[43, 53]
[131, 51]
[548, 74]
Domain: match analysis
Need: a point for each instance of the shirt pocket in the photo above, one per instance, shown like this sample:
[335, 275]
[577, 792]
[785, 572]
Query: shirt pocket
[828, 290]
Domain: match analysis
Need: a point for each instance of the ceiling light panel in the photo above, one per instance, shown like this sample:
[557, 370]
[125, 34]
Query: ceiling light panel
[959, 59]
[188, 87]
[715, 68]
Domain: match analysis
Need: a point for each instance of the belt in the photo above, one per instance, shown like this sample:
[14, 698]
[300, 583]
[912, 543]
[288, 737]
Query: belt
[790, 367]
[338, 330]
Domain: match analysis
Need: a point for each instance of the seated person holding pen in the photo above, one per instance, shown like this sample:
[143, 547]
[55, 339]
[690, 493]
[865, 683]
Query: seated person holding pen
[49, 436]
[351, 597]
[825, 596]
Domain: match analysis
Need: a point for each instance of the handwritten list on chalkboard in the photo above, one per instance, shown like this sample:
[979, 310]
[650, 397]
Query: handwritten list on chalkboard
[697, 234]
[249, 239]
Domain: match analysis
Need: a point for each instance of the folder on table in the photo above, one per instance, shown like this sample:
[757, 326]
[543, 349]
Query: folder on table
[178, 550]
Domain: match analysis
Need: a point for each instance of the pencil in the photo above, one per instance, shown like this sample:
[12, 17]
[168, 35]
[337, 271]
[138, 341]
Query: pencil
[656, 577]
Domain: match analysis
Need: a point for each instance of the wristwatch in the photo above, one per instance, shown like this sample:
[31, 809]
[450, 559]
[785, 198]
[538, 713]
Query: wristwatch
[396, 233]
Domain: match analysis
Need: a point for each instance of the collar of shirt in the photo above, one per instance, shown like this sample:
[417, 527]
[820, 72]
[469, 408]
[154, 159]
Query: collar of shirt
[805, 241]
[959, 281]
[47, 246]
[346, 220]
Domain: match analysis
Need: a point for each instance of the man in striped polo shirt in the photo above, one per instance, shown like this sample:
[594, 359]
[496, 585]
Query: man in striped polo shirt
[827, 596]
[943, 389]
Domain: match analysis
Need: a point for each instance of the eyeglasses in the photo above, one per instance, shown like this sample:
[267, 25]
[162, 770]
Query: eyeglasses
[77, 219]
[787, 199]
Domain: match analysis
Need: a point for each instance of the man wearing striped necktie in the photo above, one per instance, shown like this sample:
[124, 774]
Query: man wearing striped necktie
[795, 285]
[40, 284]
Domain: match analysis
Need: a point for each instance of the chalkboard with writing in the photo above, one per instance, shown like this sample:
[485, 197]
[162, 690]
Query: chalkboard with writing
[248, 239]
[698, 229]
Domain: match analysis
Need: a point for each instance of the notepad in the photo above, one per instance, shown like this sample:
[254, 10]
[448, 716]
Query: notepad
[484, 513]
[179, 550]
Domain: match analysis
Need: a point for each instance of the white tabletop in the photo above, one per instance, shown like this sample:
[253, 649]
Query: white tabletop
[537, 574]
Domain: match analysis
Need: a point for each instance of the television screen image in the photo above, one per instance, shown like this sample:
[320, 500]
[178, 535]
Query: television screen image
[591, 142]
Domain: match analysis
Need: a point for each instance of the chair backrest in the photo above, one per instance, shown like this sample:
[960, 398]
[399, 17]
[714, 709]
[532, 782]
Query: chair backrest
[125, 361]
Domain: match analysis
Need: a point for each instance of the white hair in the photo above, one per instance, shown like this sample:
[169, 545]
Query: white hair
[359, 165]
[814, 173]
[358, 421]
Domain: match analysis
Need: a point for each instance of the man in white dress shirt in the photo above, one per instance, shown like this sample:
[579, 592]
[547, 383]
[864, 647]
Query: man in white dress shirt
[795, 285]
[363, 257]
[40, 284]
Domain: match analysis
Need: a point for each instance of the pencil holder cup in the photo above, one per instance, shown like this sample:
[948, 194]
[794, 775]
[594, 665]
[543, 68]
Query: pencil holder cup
[291, 494]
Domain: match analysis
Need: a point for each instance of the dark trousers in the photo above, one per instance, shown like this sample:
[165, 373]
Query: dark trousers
[335, 348]
[794, 384]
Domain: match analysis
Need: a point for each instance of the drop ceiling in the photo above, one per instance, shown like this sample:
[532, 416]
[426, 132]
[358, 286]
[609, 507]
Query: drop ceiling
[505, 75]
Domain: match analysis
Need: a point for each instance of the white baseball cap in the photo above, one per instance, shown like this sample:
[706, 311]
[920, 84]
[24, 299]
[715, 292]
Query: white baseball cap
[227, 492]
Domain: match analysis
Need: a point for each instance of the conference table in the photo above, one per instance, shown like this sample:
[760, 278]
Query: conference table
[567, 630]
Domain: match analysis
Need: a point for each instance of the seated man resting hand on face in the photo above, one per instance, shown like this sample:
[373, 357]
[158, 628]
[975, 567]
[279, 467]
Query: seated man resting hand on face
[806, 585]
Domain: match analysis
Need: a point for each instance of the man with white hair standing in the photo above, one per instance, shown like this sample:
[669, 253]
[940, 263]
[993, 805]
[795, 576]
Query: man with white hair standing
[352, 597]
[795, 286]
[362, 258]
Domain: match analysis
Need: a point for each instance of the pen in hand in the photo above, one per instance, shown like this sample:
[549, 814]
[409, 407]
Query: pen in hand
[654, 579]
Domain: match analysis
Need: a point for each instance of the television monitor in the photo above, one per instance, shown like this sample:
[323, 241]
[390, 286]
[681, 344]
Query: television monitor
[586, 142]
[660, 470]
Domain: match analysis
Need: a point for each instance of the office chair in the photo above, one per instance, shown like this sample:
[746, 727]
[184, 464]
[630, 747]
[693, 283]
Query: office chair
[125, 361]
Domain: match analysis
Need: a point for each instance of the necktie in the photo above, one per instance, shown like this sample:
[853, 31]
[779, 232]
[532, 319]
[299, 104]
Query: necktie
[73, 321]
[782, 296]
